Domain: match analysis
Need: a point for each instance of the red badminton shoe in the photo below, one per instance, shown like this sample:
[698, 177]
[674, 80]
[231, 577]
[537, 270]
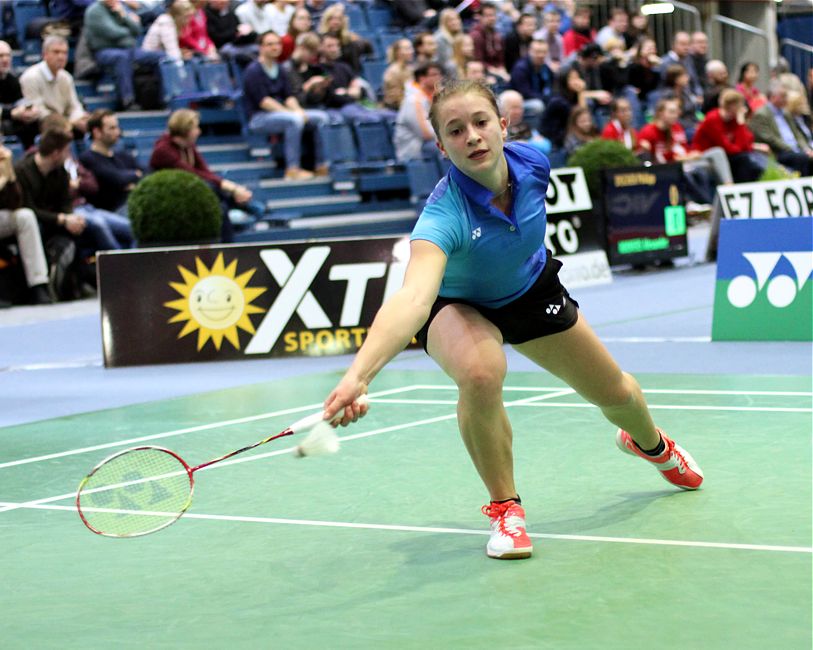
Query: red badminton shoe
[509, 539]
[675, 464]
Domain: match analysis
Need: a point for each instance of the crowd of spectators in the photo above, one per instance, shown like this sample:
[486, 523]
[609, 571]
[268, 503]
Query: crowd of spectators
[562, 79]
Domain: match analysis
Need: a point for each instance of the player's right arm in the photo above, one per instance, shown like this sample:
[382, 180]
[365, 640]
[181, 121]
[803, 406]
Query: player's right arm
[393, 328]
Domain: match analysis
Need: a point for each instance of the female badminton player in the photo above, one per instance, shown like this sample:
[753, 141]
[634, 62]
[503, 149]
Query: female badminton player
[479, 276]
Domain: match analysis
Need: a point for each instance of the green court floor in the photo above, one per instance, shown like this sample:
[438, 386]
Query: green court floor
[382, 545]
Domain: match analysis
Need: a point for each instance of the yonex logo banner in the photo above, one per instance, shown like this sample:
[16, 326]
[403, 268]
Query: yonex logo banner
[764, 290]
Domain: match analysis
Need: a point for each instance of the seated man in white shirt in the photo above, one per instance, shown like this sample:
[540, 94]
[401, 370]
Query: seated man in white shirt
[50, 87]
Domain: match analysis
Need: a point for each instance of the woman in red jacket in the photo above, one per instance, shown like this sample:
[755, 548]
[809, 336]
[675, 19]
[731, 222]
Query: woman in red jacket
[725, 127]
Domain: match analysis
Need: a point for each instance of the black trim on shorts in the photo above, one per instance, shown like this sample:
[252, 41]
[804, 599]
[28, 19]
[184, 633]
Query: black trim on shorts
[544, 309]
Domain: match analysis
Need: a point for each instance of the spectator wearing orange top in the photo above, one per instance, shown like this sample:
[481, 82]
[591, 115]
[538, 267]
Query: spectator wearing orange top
[746, 86]
[725, 127]
[620, 125]
[580, 34]
[194, 36]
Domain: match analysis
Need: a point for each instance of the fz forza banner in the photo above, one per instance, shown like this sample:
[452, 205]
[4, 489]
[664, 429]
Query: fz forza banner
[768, 200]
[236, 302]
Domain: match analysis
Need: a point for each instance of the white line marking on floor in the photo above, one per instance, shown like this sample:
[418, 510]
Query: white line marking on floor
[582, 405]
[178, 432]
[58, 365]
[464, 531]
[380, 397]
[664, 391]
[656, 339]
[288, 450]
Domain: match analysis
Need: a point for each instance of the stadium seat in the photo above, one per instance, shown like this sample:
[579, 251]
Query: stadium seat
[215, 77]
[356, 17]
[379, 18]
[375, 144]
[25, 12]
[339, 146]
[373, 72]
[179, 83]
[423, 176]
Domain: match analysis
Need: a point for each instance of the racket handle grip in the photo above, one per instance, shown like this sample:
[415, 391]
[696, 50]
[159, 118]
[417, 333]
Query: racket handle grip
[312, 420]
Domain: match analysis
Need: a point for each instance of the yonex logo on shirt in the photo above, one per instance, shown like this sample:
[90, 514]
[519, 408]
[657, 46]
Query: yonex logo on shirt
[476, 233]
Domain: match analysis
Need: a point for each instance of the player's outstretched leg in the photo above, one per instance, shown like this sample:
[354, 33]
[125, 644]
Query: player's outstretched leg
[675, 464]
[578, 357]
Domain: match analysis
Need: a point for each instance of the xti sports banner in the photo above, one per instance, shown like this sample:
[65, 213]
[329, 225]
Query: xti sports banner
[764, 290]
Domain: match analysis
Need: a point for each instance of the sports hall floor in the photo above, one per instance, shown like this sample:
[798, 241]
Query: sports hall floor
[382, 545]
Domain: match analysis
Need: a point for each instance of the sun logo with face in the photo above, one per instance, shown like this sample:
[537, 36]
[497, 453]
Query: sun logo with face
[215, 302]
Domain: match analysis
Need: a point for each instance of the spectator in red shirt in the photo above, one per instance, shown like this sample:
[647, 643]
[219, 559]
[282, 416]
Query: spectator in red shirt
[580, 34]
[664, 138]
[195, 36]
[746, 85]
[725, 127]
[620, 125]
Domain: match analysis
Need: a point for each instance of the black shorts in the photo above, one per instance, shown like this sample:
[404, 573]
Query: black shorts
[546, 308]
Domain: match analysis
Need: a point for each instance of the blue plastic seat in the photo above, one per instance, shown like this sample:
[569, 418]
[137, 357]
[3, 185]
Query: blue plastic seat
[423, 176]
[215, 78]
[375, 143]
[179, 82]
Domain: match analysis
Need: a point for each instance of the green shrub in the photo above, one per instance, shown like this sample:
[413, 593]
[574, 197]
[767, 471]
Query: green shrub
[174, 206]
[601, 154]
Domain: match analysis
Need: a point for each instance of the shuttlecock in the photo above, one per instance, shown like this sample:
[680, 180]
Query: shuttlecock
[321, 440]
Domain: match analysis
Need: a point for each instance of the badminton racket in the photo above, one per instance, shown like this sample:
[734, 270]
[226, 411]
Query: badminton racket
[144, 489]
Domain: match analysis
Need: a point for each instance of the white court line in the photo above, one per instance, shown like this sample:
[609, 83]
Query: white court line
[664, 391]
[444, 387]
[178, 432]
[59, 365]
[456, 531]
[582, 405]
[656, 339]
[288, 450]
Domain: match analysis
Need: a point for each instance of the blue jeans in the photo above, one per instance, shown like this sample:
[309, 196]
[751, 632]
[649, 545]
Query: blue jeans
[107, 230]
[291, 125]
[121, 62]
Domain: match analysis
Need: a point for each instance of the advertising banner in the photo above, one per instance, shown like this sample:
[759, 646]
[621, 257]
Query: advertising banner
[231, 302]
[764, 290]
[770, 199]
[572, 232]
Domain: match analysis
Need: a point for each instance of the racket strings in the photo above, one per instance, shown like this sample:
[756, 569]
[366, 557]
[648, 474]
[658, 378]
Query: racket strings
[135, 493]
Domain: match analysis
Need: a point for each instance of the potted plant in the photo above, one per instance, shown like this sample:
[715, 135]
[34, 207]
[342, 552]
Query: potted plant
[174, 207]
